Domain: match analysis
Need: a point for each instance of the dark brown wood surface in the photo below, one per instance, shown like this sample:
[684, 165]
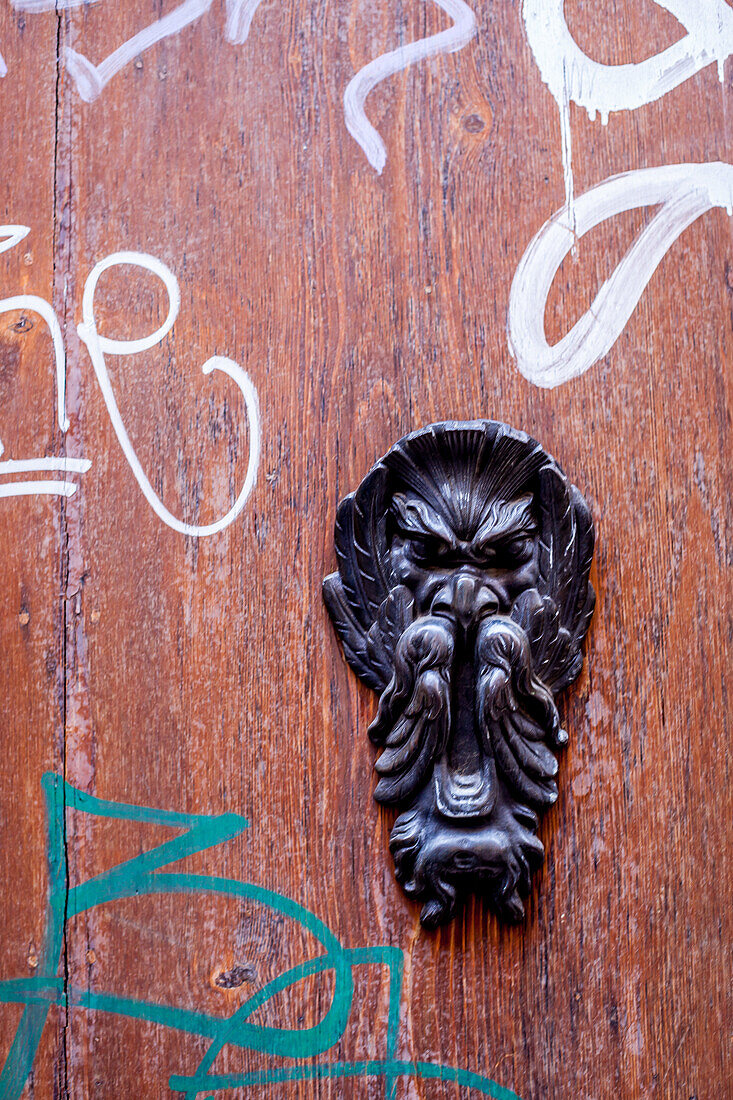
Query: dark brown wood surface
[202, 675]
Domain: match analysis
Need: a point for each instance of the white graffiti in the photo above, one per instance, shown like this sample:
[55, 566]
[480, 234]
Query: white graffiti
[98, 347]
[10, 235]
[685, 191]
[573, 77]
[239, 20]
[90, 79]
[387, 64]
[38, 466]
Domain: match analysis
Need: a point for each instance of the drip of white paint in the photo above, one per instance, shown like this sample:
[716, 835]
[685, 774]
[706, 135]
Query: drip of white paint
[387, 64]
[574, 77]
[566, 146]
[685, 191]
[91, 79]
[10, 235]
[99, 345]
[239, 19]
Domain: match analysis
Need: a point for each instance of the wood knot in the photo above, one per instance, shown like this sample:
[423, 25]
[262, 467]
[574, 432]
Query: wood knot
[238, 975]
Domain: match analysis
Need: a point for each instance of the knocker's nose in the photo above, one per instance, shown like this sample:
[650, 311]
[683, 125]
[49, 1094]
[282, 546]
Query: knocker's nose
[465, 597]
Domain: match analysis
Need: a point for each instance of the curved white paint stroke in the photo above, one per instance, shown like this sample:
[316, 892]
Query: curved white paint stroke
[572, 76]
[387, 64]
[90, 79]
[10, 235]
[685, 191]
[98, 345]
[41, 306]
[239, 19]
[35, 7]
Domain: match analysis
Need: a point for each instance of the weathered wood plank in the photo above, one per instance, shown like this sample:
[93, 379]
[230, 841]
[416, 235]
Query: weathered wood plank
[202, 676]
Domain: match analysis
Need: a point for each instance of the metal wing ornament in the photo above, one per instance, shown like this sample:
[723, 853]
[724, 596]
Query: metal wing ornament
[462, 597]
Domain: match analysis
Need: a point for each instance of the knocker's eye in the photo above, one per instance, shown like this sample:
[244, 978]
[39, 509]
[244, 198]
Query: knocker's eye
[426, 549]
[515, 551]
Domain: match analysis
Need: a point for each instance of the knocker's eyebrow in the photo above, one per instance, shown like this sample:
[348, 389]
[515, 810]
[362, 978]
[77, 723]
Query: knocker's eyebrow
[416, 517]
[508, 518]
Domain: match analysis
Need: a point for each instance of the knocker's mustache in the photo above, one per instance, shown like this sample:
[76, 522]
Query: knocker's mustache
[414, 717]
[514, 714]
[514, 717]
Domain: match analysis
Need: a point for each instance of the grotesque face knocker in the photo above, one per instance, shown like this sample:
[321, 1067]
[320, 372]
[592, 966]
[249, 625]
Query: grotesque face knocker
[462, 597]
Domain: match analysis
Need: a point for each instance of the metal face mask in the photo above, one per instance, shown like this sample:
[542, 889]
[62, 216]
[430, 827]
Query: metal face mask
[462, 597]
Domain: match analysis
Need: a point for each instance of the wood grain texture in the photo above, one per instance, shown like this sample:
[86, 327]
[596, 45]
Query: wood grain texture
[203, 675]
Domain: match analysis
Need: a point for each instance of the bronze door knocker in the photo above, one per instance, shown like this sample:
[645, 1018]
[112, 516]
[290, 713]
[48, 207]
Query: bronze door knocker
[462, 597]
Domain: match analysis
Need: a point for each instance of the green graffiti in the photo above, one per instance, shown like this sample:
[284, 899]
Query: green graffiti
[143, 875]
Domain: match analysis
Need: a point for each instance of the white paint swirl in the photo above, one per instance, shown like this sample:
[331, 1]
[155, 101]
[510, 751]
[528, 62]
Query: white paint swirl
[98, 346]
[90, 79]
[574, 77]
[10, 236]
[239, 19]
[387, 64]
[685, 191]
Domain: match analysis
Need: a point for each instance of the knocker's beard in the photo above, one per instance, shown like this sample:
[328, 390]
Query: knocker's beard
[435, 849]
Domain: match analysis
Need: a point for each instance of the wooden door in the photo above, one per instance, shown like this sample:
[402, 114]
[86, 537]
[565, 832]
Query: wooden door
[340, 198]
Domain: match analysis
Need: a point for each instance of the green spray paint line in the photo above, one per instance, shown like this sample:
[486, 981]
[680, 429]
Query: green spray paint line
[22, 1053]
[143, 875]
[427, 1070]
